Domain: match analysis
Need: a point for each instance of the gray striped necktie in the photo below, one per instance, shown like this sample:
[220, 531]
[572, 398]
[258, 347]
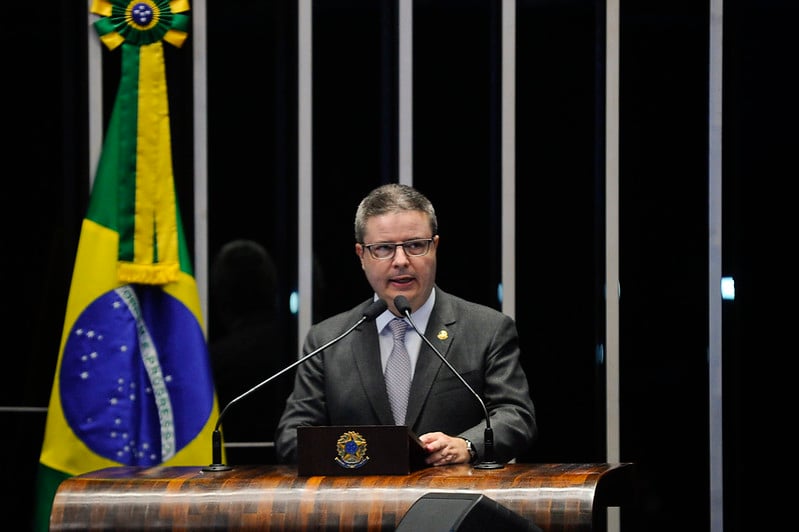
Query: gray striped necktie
[398, 371]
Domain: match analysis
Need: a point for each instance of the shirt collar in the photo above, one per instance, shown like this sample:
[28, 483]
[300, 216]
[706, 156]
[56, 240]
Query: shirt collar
[420, 317]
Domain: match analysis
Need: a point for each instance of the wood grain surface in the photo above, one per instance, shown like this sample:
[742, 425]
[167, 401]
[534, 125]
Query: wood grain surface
[556, 497]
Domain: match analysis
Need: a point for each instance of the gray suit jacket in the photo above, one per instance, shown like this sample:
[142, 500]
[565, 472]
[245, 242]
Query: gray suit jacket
[343, 385]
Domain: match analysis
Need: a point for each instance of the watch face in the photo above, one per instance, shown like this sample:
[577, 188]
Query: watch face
[470, 448]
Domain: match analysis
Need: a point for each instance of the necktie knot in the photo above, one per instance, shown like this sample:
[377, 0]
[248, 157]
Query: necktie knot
[398, 327]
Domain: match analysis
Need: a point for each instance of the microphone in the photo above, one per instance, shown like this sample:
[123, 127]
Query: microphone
[488, 462]
[372, 311]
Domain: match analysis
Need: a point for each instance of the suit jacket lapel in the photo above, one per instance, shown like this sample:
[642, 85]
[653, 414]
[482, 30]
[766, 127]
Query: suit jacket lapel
[440, 331]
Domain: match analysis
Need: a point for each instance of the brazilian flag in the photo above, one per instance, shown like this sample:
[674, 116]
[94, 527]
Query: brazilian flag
[133, 383]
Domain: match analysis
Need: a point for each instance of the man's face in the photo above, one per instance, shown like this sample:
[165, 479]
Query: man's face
[402, 274]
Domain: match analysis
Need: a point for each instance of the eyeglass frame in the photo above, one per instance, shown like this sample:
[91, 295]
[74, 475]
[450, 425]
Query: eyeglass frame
[395, 245]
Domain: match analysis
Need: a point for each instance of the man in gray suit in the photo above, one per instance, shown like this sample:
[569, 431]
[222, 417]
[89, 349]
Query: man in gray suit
[396, 239]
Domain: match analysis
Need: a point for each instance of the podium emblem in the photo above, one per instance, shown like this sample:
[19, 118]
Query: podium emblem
[351, 450]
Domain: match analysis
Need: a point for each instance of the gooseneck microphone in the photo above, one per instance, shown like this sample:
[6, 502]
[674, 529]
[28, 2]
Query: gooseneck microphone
[488, 462]
[372, 311]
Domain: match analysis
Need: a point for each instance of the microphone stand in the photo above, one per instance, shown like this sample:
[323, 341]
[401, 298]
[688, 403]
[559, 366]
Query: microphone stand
[372, 311]
[488, 462]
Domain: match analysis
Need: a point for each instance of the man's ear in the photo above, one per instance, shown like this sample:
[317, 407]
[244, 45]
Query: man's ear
[359, 251]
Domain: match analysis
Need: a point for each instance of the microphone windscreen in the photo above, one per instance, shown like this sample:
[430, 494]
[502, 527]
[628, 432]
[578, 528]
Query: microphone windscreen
[375, 309]
[401, 302]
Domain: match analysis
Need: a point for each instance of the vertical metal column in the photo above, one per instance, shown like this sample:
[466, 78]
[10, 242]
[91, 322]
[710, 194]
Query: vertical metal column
[508, 157]
[714, 266]
[305, 169]
[612, 286]
[200, 120]
[406, 91]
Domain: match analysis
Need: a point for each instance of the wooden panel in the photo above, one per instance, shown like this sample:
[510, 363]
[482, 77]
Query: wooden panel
[557, 497]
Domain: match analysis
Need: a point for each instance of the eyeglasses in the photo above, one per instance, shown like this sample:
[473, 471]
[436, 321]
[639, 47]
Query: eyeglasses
[412, 248]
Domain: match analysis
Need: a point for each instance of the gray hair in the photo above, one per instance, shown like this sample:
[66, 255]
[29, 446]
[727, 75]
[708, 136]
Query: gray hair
[392, 198]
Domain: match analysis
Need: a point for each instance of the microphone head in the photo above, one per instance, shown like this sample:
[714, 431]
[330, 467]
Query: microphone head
[401, 303]
[375, 309]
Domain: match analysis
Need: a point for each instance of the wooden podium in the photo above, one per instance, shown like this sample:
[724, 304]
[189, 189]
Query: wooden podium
[556, 497]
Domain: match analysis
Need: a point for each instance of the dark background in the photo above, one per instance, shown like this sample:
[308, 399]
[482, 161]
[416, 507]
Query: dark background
[664, 159]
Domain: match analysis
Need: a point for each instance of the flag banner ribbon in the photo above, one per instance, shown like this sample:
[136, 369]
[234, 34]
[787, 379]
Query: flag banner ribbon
[140, 156]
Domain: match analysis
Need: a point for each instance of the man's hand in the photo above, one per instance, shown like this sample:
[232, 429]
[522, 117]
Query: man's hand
[444, 450]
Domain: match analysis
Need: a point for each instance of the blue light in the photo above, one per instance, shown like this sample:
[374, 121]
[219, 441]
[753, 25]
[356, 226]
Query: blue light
[728, 288]
[294, 302]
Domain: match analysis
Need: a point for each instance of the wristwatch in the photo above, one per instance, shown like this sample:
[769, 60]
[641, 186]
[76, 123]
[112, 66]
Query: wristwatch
[472, 451]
